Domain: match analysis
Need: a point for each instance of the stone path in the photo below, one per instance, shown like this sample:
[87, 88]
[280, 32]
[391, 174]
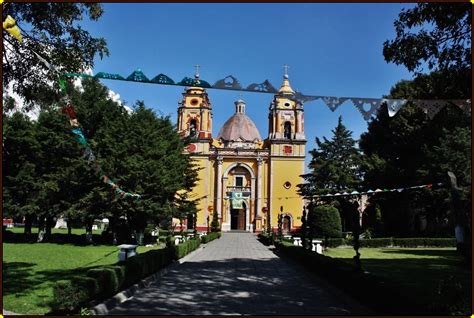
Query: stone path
[237, 275]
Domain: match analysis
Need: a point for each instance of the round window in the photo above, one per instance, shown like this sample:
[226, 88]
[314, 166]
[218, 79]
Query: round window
[287, 104]
[194, 101]
[287, 185]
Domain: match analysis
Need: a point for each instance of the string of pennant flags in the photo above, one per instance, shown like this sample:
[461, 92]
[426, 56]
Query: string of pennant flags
[10, 26]
[368, 107]
[89, 155]
[237, 198]
[370, 192]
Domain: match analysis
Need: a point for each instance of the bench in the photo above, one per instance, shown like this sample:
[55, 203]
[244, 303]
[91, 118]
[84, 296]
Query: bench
[126, 251]
[297, 241]
[317, 246]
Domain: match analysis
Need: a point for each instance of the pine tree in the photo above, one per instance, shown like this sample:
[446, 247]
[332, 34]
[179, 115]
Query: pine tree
[335, 165]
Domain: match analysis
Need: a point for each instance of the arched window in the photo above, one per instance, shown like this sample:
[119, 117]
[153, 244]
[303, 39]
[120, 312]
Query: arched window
[287, 130]
[193, 128]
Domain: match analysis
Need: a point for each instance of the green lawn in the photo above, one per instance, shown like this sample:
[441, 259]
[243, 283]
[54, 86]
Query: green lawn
[54, 231]
[29, 271]
[436, 277]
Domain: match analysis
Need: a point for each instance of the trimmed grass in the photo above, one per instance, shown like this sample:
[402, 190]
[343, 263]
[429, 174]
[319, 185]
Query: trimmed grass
[435, 277]
[53, 231]
[29, 271]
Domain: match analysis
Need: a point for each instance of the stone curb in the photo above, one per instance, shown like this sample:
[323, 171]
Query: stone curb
[9, 313]
[104, 307]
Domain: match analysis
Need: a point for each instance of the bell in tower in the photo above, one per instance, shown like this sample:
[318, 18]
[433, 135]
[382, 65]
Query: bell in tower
[286, 119]
[195, 113]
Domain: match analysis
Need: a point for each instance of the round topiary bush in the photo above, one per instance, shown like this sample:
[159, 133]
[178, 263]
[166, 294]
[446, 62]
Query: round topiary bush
[324, 221]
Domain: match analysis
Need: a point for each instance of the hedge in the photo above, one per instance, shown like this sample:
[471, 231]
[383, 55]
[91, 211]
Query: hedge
[376, 242]
[210, 237]
[379, 242]
[423, 241]
[334, 242]
[106, 281]
[186, 247]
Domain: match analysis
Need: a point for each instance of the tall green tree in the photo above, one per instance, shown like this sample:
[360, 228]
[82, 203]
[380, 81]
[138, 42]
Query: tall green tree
[53, 31]
[145, 155]
[436, 34]
[335, 167]
[410, 148]
[334, 164]
[19, 154]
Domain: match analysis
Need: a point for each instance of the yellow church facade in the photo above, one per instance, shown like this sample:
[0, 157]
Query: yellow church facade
[247, 180]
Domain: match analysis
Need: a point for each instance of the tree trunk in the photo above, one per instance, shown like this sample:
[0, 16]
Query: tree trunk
[41, 229]
[461, 229]
[69, 227]
[89, 233]
[139, 237]
[28, 223]
[113, 230]
[48, 226]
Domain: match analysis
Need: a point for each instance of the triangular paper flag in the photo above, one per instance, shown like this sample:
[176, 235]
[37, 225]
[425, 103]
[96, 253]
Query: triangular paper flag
[10, 26]
[394, 105]
[430, 107]
[333, 102]
[374, 106]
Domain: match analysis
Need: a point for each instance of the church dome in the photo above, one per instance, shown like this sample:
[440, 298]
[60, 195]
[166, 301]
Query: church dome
[239, 126]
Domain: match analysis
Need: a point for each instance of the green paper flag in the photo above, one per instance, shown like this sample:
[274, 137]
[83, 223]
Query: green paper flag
[62, 84]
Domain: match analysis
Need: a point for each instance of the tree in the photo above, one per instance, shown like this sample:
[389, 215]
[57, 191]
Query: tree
[144, 154]
[215, 227]
[438, 34]
[51, 30]
[58, 169]
[411, 149]
[20, 149]
[324, 221]
[335, 165]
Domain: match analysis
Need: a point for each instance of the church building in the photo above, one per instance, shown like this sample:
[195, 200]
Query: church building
[247, 180]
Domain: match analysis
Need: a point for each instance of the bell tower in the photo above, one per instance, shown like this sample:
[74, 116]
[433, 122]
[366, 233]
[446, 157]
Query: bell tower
[286, 142]
[195, 114]
[286, 122]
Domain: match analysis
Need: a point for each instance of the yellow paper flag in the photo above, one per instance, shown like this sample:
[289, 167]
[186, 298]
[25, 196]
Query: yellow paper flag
[10, 26]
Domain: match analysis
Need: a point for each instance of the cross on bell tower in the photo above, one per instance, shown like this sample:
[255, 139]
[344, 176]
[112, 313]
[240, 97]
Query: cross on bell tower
[285, 68]
[196, 74]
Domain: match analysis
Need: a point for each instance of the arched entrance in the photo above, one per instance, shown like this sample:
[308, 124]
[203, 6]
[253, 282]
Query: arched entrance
[237, 218]
[286, 226]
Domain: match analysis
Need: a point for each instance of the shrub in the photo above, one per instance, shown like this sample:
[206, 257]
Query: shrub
[186, 247]
[324, 221]
[71, 294]
[334, 242]
[105, 281]
[210, 237]
[384, 295]
[215, 226]
[106, 278]
[265, 239]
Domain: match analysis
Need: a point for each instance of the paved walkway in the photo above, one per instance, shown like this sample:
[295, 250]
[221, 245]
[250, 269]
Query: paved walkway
[237, 275]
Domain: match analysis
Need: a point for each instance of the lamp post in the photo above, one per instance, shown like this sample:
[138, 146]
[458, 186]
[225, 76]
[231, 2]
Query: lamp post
[280, 221]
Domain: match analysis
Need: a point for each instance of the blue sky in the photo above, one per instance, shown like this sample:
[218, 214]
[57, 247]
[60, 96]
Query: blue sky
[332, 49]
